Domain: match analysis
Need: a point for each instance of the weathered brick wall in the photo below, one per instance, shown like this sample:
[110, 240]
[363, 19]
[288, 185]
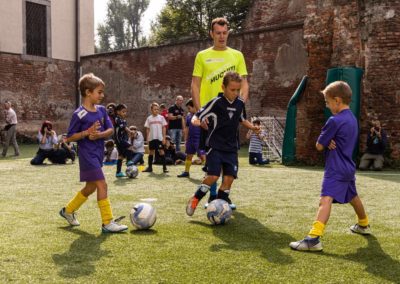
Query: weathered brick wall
[38, 90]
[275, 58]
[352, 33]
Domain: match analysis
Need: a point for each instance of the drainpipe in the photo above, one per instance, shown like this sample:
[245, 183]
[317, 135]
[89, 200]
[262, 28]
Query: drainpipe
[77, 55]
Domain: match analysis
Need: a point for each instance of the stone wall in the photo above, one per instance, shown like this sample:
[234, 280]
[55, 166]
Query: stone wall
[38, 90]
[352, 33]
[275, 58]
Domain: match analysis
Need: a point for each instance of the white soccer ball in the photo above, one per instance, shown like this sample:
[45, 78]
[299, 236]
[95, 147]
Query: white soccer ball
[143, 216]
[218, 212]
[132, 171]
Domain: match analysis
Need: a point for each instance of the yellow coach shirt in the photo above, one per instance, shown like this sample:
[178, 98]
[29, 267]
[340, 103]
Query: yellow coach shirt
[211, 66]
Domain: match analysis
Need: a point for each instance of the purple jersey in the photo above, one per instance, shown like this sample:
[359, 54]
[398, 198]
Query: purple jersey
[91, 152]
[194, 131]
[343, 129]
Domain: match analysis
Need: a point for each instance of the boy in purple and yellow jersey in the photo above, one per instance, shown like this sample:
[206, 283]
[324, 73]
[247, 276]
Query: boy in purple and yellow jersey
[338, 139]
[89, 125]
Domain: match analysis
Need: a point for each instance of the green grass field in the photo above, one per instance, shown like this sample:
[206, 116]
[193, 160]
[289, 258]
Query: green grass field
[276, 205]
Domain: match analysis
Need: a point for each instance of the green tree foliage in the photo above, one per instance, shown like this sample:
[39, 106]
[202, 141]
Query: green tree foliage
[121, 29]
[190, 19]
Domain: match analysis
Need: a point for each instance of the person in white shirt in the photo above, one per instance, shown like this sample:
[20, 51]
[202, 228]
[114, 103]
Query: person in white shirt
[10, 129]
[136, 139]
[155, 133]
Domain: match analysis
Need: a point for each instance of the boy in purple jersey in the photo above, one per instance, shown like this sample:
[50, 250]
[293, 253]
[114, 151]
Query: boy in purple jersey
[89, 125]
[192, 138]
[338, 138]
[227, 111]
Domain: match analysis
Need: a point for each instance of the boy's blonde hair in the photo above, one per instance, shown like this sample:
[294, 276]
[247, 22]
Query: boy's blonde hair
[338, 89]
[89, 82]
[231, 76]
[153, 105]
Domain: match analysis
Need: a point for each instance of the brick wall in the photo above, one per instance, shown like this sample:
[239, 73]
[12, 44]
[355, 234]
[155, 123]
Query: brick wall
[275, 58]
[38, 90]
[352, 33]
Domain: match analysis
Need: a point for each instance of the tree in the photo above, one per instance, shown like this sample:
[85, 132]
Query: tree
[191, 19]
[121, 29]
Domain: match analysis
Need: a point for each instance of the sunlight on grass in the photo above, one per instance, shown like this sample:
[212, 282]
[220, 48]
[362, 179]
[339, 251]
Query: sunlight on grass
[276, 205]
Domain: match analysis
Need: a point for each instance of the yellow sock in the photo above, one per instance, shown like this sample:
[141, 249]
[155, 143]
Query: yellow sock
[75, 202]
[317, 229]
[105, 211]
[188, 163]
[363, 222]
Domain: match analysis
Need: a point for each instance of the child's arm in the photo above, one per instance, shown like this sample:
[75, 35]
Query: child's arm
[147, 134]
[250, 126]
[186, 133]
[331, 146]
[248, 134]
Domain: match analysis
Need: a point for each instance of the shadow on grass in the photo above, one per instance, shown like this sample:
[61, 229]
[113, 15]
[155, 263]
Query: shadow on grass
[148, 232]
[248, 234]
[80, 260]
[377, 262]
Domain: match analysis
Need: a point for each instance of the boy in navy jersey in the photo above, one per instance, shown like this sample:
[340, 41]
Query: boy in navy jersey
[338, 138]
[224, 114]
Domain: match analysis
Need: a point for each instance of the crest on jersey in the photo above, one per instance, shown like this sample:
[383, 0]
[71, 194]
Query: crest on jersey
[82, 113]
[230, 114]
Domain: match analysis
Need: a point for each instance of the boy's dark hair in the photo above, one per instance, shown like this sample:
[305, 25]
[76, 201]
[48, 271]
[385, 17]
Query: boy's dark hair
[219, 21]
[89, 82]
[162, 106]
[120, 107]
[338, 89]
[109, 144]
[231, 76]
[190, 103]
[257, 121]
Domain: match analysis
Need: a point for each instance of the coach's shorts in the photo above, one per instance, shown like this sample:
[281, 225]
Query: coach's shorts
[218, 161]
[340, 191]
[156, 145]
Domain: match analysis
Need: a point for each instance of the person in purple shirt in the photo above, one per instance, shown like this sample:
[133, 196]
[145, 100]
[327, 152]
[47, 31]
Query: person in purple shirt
[337, 139]
[192, 138]
[89, 125]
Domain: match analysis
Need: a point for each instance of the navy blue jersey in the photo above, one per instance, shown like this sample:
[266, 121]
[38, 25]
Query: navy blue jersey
[120, 135]
[224, 117]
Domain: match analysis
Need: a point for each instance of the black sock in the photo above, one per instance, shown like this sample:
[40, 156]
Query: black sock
[164, 163]
[202, 190]
[150, 161]
[223, 194]
[119, 165]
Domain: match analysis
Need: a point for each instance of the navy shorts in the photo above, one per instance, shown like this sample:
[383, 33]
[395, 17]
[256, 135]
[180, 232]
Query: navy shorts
[218, 161]
[156, 145]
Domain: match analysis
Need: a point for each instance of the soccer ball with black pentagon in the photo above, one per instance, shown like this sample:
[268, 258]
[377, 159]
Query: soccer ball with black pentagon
[143, 216]
[218, 212]
[132, 171]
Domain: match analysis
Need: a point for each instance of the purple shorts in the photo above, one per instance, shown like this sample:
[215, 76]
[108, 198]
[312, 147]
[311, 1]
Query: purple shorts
[92, 175]
[192, 147]
[340, 191]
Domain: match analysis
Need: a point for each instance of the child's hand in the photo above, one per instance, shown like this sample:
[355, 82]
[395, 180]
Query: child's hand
[93, 131]
[332, 145]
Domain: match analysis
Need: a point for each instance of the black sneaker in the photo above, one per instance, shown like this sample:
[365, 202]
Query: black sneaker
[184, 174]
[231, 204]
[148, 170]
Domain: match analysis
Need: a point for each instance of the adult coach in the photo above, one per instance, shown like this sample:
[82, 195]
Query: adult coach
[209, 68]
[10, 129]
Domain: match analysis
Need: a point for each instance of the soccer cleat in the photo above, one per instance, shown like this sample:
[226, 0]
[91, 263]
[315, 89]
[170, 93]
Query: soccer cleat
[120, 175]
[307, 244]
[183, 175]
[165, 170]
[113, 227]
[148, 170]
[231, 204]
[191, 205]
[129, 163]
[360, 229]
[71, 218]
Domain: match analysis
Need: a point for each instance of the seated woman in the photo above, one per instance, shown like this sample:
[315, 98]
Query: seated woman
[48, 140]
[136, 139]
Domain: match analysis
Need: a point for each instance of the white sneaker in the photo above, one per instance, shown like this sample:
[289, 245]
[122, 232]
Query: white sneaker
[360, 230]
[71, 218]
[113, 227]
[307, 244]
